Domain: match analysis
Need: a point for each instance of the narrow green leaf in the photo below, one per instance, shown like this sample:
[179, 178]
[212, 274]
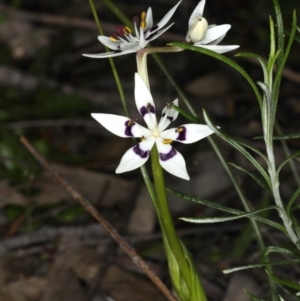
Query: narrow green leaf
[271, 63]
[225, 60]
[259, 181]
[273, 249]
[258, 57]
[280, 29]
[272, 40]
[212, 220]
[224, 208]
[287, 136]
[295, 223]
[188, 115]
[269, 119]
[254, 298]
[293, 295]
[282, 58]
[261, 265]
[284, 281]
[251, 147]
[292, 156]
[238, 147]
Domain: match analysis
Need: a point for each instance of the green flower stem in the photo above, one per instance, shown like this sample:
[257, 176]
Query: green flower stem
[141, 59]
[159, 196]
[166, 220]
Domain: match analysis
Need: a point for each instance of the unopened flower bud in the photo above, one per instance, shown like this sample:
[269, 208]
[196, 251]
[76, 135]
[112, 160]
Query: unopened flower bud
[197, 30]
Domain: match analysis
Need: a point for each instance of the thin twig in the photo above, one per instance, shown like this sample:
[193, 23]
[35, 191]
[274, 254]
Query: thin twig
[137, 260]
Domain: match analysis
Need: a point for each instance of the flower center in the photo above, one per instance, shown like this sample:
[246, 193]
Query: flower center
[121, 31]
[155, 132]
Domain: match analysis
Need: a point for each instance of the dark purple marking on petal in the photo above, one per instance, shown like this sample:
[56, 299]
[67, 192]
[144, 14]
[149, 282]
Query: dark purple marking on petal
[168, 117]
[143, 154]
[128, 128]
[145, 110]
[153, 28]
[182, 133]
[169, 155]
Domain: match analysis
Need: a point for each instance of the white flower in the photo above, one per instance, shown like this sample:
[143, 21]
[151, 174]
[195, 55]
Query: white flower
[207, 36]
[170, 159]
[124, 42]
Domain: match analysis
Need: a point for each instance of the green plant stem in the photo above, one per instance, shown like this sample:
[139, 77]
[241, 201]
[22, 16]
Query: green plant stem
[111, 61]
[277, 198]
[164, 212]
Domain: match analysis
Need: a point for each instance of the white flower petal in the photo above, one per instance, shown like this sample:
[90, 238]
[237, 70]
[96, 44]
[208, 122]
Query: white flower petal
[106, 41]
[214, 33]
[165, 19]
[133, 46]
[149, 19]
[120, 125]
[151, 37]
[187, 133]
[168, 115]
[171, 160]
[217, 41]
[144, 102]
[109, 54]
[198, 11]
[218, 48]
[136, 156]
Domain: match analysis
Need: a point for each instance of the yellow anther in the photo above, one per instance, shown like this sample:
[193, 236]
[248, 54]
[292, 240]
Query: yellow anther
[113, 39]
[143, 138]
[130, 123]
[143, 20]
[169, 105]
[127, 30]
[179, 130]
[167, 141]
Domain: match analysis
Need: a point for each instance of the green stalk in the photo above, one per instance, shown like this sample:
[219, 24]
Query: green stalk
[164, 212]
[171, 240]
[111, 61]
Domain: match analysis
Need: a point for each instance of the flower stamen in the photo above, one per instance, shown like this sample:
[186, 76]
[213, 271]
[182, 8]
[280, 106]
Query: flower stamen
[114, 39]
[126, 30]
[179, 129]
[167, 141]
[143, 23]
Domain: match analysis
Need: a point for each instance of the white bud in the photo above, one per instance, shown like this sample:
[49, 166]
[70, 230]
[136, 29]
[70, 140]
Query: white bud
[197, 30]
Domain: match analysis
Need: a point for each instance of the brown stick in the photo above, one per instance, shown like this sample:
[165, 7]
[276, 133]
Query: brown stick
[137, 260]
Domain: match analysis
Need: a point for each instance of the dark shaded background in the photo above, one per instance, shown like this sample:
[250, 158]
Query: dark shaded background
[48, 91]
